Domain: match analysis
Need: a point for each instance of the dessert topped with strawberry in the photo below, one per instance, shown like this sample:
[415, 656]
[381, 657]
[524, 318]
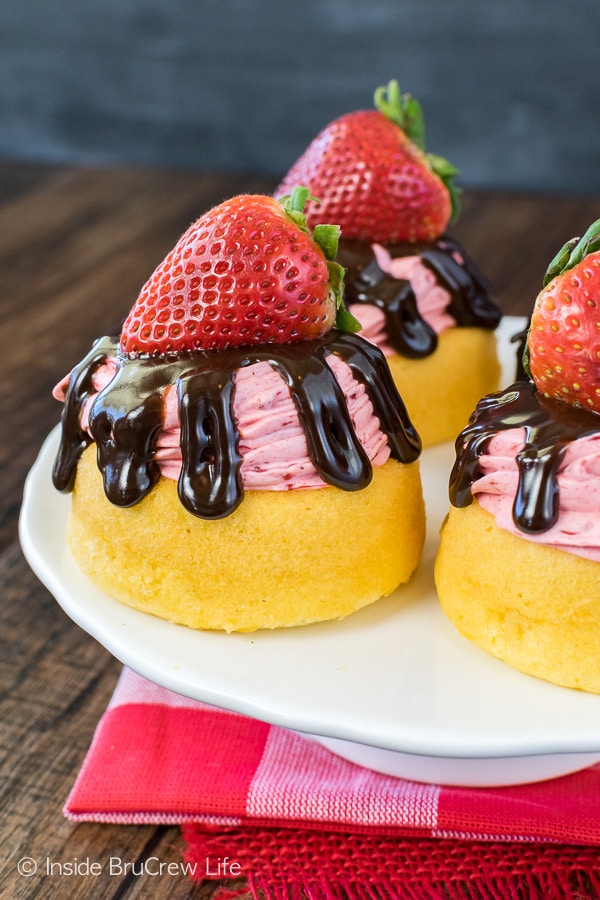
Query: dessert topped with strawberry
[393, 202]
[531, 453]
[237, 367]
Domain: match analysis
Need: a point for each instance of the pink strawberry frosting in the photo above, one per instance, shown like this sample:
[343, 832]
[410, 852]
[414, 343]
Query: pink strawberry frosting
[432, 299]
[272, 441]
[578, 527]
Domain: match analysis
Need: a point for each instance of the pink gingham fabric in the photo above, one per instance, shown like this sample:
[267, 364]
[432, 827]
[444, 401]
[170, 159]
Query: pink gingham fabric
[157, 757]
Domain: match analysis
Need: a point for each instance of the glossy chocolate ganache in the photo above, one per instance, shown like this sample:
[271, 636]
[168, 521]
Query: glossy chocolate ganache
[407, 332]
[126, 417]
[550, 426]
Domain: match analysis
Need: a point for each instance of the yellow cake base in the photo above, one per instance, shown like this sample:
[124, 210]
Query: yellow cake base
[281, 559]
[441, 390]
[535, 607]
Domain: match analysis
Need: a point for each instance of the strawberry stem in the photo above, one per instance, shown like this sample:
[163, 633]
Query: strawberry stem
[402, 109]
[573, 252]
[406, 112]
[293, 205]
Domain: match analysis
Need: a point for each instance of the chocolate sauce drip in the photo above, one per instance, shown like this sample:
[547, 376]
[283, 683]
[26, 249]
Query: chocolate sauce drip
[80, 387]
[407, 332]
[550, 426]
[470, 302]
[125, 426]
[369, 366]
[210, 473]
[126, 418]
[334, 448]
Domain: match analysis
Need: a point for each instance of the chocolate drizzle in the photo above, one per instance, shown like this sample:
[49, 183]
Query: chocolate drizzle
[210, 471]
[550, 426]
[407, 332]
[126, 418]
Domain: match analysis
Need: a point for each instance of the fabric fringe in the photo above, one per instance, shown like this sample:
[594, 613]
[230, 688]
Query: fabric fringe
[550, 886]
[296, 864]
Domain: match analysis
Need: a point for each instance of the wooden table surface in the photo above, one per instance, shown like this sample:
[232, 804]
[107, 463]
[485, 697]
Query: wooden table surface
[75, 247]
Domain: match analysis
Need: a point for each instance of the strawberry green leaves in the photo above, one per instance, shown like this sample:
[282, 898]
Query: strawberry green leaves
[573, 252]
[447, 173]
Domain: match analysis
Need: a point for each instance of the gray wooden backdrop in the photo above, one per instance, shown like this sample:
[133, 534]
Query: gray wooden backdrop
[510, 88]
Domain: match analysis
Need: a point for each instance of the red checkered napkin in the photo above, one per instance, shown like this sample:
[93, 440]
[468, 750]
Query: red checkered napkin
[298, 822]
[158, 757]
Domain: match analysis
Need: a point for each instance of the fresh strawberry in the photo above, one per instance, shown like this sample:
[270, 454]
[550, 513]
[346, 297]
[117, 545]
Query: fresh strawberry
[248, 271]
[372, 176]
[563, 347]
